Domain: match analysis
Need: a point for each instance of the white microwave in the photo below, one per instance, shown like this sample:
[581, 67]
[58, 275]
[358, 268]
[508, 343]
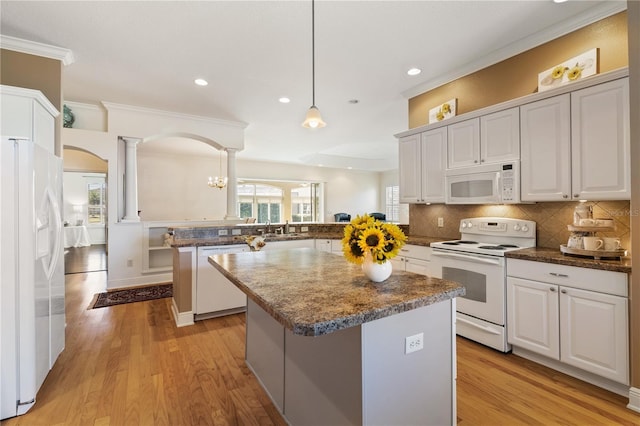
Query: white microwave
[484, 184]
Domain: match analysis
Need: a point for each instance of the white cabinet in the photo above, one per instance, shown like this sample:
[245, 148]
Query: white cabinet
[422, 165]
[491, 138]
[600, 149]
[413, 258]
[576, 146]
[545, 138]
[329, 246]
[28, 114]
[215, 294]
[575, 315]
[290, 244]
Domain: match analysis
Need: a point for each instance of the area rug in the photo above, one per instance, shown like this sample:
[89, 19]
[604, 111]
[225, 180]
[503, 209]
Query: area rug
[138, 294]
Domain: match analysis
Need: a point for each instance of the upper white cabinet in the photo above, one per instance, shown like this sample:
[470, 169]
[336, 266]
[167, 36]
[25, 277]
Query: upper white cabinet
[422, 165]
[491, 138]
[600, 149]
[28, 114]
[576, 146]
[545, 165]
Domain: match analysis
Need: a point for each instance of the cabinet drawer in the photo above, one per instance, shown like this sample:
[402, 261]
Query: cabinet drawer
[570, 276]
[417, 252]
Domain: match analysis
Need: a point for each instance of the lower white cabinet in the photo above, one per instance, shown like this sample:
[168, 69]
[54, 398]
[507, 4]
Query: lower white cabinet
[214, 292]
[413, 258]
[575, 315]
[330, 246]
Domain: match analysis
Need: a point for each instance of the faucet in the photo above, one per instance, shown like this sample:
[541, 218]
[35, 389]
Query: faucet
[268, 226]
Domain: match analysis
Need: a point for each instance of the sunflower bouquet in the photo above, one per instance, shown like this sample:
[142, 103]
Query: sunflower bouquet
[367, 235]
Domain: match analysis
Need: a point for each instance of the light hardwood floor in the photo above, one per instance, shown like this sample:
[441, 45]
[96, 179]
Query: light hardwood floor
[130, 365]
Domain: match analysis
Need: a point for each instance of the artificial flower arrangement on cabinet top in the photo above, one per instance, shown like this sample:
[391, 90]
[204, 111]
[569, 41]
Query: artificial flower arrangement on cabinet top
[364, 234]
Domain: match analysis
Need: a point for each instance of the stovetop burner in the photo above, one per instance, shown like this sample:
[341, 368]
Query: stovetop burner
[456, 243]
[493, 247]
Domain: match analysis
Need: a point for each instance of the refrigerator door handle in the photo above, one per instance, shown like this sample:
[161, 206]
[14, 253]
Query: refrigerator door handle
[52, 205]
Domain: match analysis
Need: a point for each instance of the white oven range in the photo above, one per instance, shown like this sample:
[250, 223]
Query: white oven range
[477, 261]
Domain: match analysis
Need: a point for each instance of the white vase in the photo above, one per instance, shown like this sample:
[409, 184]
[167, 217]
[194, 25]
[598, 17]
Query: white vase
[376, 272]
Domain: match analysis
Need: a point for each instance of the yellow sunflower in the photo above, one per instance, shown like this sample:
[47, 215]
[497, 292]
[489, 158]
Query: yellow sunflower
[446, 108]
[558, 72]
[371, 239]
[440, 115]
[574, 73]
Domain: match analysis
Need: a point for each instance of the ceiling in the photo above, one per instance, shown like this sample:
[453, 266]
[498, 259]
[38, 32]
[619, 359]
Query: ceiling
[148, 54]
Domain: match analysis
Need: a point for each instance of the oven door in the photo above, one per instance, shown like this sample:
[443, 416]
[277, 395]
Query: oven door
[482, 276]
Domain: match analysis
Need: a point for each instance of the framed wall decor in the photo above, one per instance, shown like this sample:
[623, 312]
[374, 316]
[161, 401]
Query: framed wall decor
[443, 111]
[583, 65]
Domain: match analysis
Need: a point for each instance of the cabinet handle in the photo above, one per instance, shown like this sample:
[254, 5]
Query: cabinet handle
[563, 291]
[555, 274]
[576, 195]
[565, 196]
[475, 161]
[552, 289]
[482, 161]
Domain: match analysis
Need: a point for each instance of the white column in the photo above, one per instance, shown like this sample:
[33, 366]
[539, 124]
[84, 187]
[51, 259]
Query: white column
[131, 181]
[232, 185]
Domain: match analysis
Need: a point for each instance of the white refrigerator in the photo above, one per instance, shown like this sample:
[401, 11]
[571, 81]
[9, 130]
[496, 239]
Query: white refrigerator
[32, 316]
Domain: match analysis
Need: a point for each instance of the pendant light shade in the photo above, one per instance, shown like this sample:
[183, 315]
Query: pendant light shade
[313, 119]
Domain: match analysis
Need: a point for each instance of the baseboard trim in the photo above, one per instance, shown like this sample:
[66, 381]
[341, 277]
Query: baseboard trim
[119, 284]
[182, 318]
[634, 399]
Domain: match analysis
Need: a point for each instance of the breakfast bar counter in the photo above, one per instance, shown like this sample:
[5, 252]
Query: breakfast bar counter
[331, 347]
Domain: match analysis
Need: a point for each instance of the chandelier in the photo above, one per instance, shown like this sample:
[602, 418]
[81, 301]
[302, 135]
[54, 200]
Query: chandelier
[313, 119]
[219, 181]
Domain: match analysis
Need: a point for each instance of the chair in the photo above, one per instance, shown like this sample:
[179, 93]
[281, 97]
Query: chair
[379, 216]
[342, 217]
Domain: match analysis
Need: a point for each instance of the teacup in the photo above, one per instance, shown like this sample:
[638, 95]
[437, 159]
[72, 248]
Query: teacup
[611, 243]
[592, 243]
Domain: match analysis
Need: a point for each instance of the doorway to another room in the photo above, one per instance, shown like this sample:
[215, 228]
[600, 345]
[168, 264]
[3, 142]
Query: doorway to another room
[84, 212]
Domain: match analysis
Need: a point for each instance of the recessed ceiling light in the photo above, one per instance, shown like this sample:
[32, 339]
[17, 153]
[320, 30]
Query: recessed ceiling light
[414, 71]
[559, 1]
[201, 82]
[349, 168]
[284, 100]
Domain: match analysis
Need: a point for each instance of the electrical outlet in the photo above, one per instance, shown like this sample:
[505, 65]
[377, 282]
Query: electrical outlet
[236, 232]
[129, 263]
[440, 222]
[292, 229]
[223, 232]
[304, 229]
[413, 343]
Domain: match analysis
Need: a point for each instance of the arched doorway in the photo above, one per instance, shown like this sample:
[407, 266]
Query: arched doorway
[84, 211]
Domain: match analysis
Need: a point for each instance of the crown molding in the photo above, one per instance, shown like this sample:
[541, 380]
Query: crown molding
[38, 49]
[592, 15]
[112, 106]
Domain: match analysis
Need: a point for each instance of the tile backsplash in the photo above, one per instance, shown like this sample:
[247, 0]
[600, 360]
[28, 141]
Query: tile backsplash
[551, 219]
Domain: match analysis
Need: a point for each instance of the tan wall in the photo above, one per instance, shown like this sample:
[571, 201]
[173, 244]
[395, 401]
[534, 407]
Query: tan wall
[34, 72]
[76, 160]
[518, 76]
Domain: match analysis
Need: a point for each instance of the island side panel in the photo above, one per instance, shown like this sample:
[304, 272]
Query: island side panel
[416, 388]
[323, 380]
[265, 351]
[183, 282]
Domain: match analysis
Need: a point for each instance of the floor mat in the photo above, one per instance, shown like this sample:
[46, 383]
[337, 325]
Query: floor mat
[138, 294]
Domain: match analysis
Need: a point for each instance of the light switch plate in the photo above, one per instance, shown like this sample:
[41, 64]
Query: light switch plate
[223, 232]
[236, 231]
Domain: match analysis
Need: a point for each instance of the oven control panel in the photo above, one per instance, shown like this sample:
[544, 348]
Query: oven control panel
[498, 226]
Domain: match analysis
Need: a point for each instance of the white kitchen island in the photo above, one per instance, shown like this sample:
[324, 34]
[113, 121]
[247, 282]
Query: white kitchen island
[330, 347]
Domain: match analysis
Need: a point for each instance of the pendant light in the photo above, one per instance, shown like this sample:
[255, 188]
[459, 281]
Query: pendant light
[219, 182]
[313, 119]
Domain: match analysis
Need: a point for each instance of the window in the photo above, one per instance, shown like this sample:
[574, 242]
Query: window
[264, 202]
[96, 195]
[393, 203]
[279, 201]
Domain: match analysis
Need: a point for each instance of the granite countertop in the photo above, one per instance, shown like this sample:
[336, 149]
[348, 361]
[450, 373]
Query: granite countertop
[313, 293]
[549, 255]
[236, 239]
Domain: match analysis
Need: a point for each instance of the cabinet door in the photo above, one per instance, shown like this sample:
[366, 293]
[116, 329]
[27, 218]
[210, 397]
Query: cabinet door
[532, 316]
[323, 245]
[417, 266]
[594, 333]
[500, 136]
[463, 144]
[434, 163]
[409, 169]
[546, 150]
[600, 145]
[398, 263]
